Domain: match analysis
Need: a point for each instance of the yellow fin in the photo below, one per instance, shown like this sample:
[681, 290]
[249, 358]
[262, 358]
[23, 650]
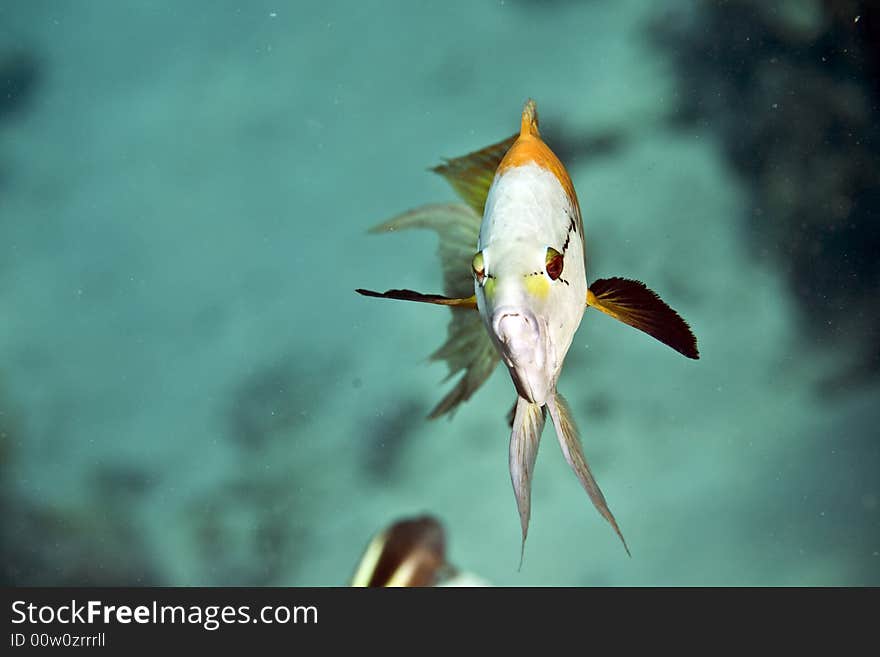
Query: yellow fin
[633, 303]
[471, 175]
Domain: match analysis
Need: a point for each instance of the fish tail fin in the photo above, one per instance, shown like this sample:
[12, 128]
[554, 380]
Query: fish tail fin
[567, 433]
[528, 423]
[529, 126]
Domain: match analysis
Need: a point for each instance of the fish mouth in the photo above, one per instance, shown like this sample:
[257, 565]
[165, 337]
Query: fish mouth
[521, 339]
[516, 328]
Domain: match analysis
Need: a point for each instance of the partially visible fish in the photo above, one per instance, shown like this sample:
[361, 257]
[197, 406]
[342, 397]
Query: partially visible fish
[412, 553]
[528, 281]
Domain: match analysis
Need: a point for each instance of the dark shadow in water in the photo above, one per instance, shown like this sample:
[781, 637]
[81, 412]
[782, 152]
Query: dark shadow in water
[19, 77]
[278, 398]
[247, 530]
[387, 437]
[90, 543]
[245, 533]
[794, 94]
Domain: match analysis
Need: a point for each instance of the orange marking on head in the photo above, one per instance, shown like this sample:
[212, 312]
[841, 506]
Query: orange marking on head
[529, 147]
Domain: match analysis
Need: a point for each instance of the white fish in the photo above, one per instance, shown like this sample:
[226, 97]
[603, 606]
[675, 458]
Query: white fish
[528, 281]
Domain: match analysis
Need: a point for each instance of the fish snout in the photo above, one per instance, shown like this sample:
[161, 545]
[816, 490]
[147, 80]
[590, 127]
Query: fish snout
[524, 351]
[515, 327]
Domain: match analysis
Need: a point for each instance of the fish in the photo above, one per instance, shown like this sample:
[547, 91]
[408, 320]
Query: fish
[513, 256]
[409, 553]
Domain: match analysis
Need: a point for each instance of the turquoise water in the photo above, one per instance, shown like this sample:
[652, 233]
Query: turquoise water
[191, 393]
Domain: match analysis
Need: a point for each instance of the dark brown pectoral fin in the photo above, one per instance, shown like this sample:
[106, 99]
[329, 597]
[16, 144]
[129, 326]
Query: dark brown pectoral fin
[633, 303]
[410, 295]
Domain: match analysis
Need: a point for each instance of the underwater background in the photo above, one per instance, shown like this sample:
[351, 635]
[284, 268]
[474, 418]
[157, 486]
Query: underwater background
[191, 393]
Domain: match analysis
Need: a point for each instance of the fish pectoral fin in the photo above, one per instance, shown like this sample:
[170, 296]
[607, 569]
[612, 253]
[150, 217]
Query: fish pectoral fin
[410, 295]
[528, 424]
[633, 303]
[566, 432]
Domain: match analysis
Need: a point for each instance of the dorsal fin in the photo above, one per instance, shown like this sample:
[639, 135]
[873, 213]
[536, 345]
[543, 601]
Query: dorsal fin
[471, 175]
[529, 126]
[529, 147]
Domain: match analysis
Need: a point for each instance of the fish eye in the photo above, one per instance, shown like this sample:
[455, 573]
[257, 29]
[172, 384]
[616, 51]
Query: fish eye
[553, 263]
[478, 267]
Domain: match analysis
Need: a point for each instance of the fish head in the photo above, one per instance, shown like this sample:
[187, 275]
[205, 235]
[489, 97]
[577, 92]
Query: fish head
[529, 311]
